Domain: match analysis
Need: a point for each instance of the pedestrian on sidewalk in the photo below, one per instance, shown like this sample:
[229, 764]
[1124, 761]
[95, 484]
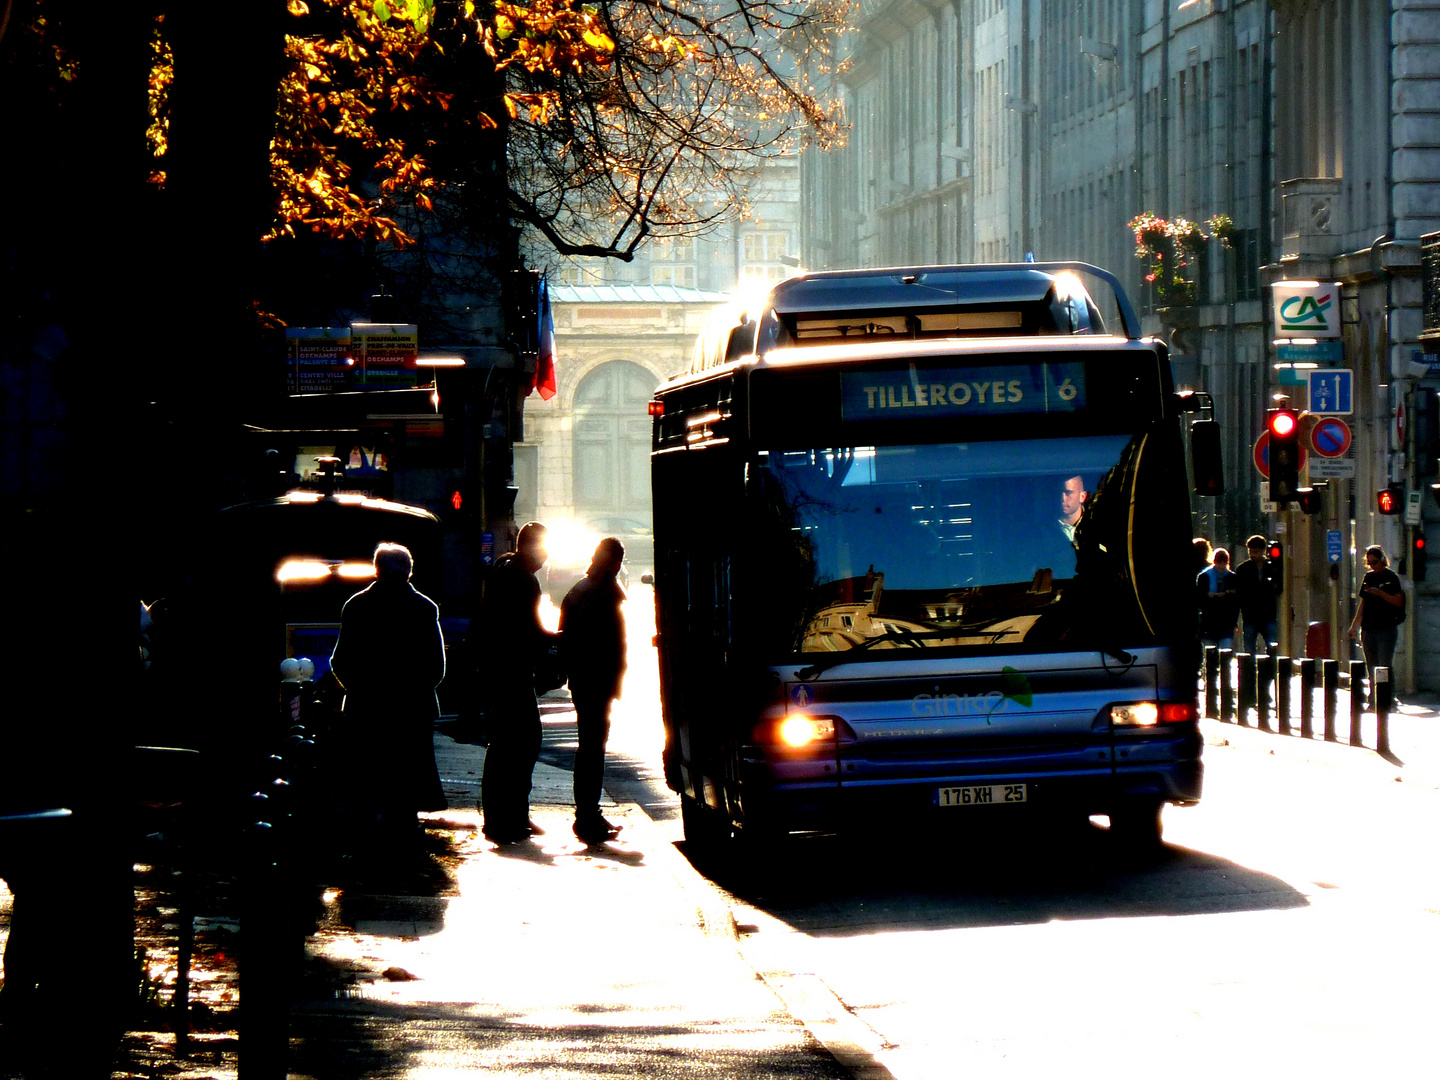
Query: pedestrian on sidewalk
[1379, 614]
[509, 641]
[389, 658]
[1259, 594]
[1218, 600]
[592, 631]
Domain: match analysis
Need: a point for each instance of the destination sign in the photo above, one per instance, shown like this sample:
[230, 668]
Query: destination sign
[940, 392]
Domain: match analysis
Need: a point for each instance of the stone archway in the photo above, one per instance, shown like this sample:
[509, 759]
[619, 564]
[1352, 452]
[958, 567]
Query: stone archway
[611, 443]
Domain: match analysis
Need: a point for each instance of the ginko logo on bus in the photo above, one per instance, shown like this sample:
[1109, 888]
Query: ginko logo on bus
[1014, 687]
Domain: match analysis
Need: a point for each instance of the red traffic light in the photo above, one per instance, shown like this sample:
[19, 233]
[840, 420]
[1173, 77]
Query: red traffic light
[1282, 423]
[456, 499]
[1387, 500]
[1275, 550]
[1419, 542]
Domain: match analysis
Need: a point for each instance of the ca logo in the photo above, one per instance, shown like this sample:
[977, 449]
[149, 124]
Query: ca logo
[1305, 313]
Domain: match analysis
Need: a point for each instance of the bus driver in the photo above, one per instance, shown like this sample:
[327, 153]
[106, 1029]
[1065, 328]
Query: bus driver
[1072, 505]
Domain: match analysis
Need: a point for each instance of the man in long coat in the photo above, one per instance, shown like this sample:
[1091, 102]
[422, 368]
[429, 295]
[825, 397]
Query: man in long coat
[592, 634]
[389, 659]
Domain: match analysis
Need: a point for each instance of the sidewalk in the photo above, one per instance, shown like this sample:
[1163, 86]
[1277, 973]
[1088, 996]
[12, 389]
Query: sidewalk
[546, 957]
[1414, 739]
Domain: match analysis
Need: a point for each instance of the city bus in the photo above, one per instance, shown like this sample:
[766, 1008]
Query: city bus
[922, 552]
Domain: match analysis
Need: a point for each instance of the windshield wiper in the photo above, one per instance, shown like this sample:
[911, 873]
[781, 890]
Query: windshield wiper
[909, 637]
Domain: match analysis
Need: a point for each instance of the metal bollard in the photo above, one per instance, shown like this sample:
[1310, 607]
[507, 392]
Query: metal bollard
[1382, 689]
[1212, 681]
[1227, 698]
[1284, 673]
[1307, 697]
[1330, 678]
[1357, 700]
[1264, 682]
[1245, 687]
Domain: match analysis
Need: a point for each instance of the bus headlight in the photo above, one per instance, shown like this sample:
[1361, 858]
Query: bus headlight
[302, 570]
[804, 730]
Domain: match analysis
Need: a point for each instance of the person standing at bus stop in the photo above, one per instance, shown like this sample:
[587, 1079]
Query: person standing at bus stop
[592, 630]
[510, 642]
[1379, 614]
[389, 659]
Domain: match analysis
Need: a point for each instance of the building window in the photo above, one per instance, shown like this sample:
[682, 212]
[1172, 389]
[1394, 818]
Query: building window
[682, 277]
[672, 262]
[577, 273]
[763, 255]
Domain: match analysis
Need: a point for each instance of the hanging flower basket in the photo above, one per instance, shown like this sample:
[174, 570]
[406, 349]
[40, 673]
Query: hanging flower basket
[1172, 249]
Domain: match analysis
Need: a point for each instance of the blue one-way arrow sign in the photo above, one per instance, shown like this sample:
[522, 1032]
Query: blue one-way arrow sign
[1330, 391]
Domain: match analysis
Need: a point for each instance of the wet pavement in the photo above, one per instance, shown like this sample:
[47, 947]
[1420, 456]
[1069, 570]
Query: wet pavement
[443, 954]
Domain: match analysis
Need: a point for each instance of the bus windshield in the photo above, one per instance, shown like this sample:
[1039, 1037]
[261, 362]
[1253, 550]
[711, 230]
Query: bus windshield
[950, 545]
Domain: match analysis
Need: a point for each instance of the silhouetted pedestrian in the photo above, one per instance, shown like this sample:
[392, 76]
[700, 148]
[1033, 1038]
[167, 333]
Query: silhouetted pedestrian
[592, 631]
[389, 659]
[509, 639]
[1379, 615]
[1259, 594]
[1202, 550]
[1219, 602]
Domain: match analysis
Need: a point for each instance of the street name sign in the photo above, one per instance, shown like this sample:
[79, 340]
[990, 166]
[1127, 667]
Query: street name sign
[1322, 468]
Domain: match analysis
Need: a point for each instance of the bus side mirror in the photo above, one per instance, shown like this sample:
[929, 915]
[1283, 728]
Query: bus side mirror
[1205, 463]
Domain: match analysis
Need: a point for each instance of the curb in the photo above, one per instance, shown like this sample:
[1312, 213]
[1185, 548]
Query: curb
[1335, 755]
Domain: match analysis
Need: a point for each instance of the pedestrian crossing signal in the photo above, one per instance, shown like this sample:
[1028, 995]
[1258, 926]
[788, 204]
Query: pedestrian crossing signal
[1388, 500]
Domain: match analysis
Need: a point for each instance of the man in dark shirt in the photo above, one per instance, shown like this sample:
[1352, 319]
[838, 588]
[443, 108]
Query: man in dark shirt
[1379, 614]
[1258, 596]
[592, 630]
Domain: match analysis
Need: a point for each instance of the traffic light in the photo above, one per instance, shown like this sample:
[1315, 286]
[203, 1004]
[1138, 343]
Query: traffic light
[1417, 556]
[1389, 500]
[1284, 428]
[1426, 425]
[1276, 554]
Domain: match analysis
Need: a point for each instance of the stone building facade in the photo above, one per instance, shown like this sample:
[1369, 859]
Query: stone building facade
[620, 330]
[985, 130]
[586, 452]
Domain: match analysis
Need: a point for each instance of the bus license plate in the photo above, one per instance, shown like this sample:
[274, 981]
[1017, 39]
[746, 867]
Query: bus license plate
[981, 795]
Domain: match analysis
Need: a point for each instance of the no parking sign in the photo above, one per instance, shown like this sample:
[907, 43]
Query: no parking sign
[1330, 437]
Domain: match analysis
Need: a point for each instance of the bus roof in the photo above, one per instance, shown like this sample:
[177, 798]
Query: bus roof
[931, 347]
[872, 306]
